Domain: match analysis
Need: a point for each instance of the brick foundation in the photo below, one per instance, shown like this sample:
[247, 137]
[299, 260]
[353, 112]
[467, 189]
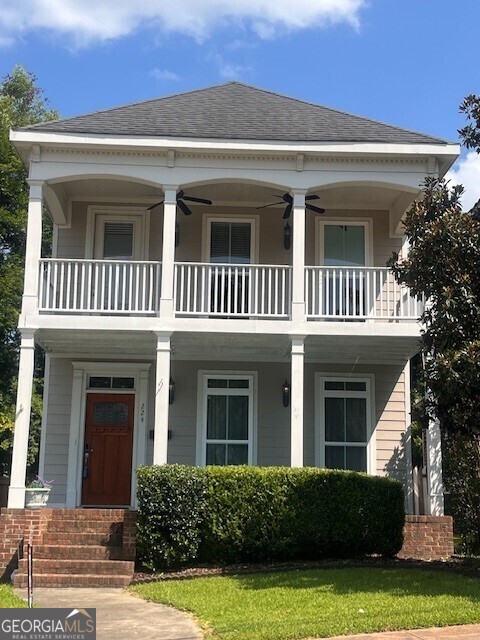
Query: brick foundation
[427, 538]
[62, 538]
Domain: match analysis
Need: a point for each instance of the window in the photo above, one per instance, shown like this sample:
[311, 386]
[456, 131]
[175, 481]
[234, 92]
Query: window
[230, 242]
[344, 423]
[116, 232]
[226, 419]
[107, 382]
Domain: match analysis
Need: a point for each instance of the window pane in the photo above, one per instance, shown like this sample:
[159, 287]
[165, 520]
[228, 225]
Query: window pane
[99, 382]
[354, 245]
[356, 458]
[356, 420]
[118, 240]
[122, 383]
[238, 384]
[220, 242]
[216, 417]
[213, 383]
[335, 419]
[237, 418]
[356, 386]
[237, 454]
[335, 457]
[240, 242]
[330, 385]
[334, 249]
[111, 413]
[216, 454]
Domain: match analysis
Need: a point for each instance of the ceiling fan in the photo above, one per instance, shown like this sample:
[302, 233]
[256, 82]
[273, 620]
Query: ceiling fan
[289, 200]
[181, 198]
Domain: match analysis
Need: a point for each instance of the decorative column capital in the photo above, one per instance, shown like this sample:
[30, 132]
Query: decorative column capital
[170, 191]
[298, 197]
[36, 189]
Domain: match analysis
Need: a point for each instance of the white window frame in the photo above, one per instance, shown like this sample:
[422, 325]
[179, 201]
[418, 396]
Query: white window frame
[202, 392]
[81, 372]
[97, 216]
[208, 218]
[321, 223]
[369, 395]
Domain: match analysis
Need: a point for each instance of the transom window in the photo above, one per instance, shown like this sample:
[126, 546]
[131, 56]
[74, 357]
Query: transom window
[345, 423]
[227, 419]
[110, 382]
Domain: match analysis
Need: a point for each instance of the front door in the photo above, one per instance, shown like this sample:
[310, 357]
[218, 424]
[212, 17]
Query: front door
[107, 461]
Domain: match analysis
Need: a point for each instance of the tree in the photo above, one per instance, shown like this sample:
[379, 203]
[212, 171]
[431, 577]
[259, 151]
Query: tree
[21, 104]
[444, 266]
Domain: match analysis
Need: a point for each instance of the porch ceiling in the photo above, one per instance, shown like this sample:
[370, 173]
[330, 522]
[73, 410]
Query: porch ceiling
[228, 347]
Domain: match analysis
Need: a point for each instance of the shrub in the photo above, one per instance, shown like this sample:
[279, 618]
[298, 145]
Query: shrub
[238, 514]
[171, 501]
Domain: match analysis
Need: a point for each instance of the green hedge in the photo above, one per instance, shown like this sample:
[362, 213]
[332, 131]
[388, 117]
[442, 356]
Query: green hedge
[244, 514]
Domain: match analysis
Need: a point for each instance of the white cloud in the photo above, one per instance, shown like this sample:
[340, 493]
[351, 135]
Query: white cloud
[466, 171]
[86, 22]
[164, 74]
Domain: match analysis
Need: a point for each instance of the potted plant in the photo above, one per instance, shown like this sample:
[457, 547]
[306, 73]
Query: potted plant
[37, 492]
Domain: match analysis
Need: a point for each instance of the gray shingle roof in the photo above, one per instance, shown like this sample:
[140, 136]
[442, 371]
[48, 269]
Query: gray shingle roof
[235, 111]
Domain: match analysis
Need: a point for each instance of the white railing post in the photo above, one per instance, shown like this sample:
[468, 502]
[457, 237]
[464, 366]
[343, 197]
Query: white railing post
[168, 251]
[33, 248]
[298, 276]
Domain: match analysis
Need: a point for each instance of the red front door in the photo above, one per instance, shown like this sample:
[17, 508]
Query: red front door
[107, 462]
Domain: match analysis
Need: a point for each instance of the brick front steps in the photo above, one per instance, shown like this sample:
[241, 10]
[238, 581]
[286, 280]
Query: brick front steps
[71, 547]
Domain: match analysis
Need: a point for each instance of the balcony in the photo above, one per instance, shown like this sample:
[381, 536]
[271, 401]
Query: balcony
[243, 291]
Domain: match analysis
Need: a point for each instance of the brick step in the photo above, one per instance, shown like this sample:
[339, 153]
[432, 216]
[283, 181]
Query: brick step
[85, 526]
[76, 567]
[77, 552]
[72, 580]
[89, 514]
[78, 538]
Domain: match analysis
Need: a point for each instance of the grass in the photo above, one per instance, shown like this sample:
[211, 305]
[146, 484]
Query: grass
[8, 599]
[321, 602]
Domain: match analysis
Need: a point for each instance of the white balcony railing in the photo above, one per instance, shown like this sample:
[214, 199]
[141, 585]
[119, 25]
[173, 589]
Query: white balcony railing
[99, 286]
[358, 293]
[232, 290]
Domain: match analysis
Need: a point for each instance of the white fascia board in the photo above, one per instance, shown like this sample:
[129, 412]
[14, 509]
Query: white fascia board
[21, 138]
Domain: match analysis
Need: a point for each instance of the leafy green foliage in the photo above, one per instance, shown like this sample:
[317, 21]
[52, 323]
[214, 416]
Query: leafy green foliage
[21, 104]
[245, 514]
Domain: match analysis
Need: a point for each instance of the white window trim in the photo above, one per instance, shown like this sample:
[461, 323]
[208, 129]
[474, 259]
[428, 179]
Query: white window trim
[369, 379]
[140, 217]
[81, 371]
[207, 220]
[322, 222]
[202, 389]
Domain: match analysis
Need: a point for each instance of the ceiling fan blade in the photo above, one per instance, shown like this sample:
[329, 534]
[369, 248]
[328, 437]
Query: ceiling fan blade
[314, 208]
[288, 210]
[154, 205]
[193, 199]
[287, 198]
[183, 207]
[272, 204]
[312, 197]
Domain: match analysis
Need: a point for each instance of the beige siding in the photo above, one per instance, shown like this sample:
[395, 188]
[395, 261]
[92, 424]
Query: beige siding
[273, 419]
[58, 427]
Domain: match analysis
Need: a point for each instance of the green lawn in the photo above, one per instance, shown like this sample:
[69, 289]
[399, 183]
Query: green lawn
[321, 602]
[9, 599]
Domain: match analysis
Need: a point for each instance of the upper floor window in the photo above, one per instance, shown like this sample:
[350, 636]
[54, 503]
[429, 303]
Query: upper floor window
[344, 243]
[117, 233]
[230, 240]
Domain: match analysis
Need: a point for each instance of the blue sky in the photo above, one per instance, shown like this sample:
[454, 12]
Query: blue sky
[406, 62]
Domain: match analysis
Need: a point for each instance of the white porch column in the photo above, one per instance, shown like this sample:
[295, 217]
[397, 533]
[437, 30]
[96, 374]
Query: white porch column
[434, 469]
[160, 439]
[168, 250]
[296, 435]
[298, 276]
[408, 441]
[33, 248]
[16, 492]
[75, 438]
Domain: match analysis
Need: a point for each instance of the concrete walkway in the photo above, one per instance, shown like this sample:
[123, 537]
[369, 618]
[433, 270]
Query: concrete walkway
[121, 615]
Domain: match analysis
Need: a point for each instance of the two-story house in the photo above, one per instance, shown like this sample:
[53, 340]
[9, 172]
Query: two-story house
[218, 291]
